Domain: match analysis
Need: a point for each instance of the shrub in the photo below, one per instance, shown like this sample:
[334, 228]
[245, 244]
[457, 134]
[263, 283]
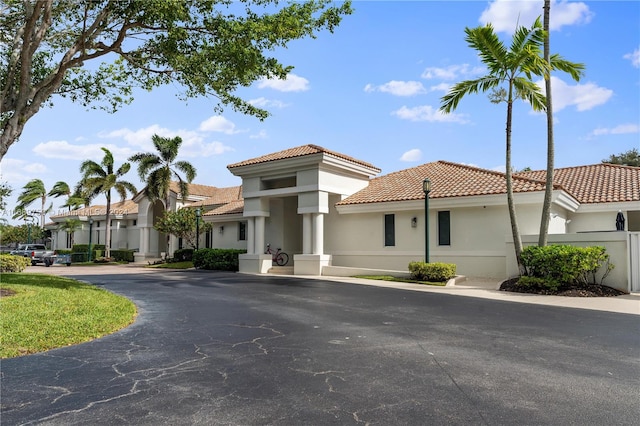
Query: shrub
[123, 255]
[566, 264]
[436, 272]
[183, 255]
[539, 283]
[63, 251]
[217, 259]
[11, 263]
[84, 248]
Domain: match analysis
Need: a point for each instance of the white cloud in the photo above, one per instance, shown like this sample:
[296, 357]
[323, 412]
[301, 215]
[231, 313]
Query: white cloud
[17, 172]
[412, 155]
[64, 150]
[506, 15]
[292, 83]
[262, 134]
[583, 96]
[218, 123]
[442, 87]
[634, 57]
[266, 103]
[618, 130]
[193, 144]
[428, 113]
[452, 72]
[398, 88]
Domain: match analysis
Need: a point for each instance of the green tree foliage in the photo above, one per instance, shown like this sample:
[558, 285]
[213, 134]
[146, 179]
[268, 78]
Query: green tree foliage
[513, 67]
[94, 52]
[102, 179]
[182, 224]
[13, 235]
[629, 158]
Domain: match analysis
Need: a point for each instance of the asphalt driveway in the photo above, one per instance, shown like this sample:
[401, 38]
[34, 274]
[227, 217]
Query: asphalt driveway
[214, 348]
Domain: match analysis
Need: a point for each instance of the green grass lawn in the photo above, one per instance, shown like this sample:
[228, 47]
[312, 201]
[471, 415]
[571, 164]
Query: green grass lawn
[49, 312]
[397, 279]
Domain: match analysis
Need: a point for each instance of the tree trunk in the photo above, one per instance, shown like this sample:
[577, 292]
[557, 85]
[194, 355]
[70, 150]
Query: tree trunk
[107, 228]
[515, 232]
[548, 193]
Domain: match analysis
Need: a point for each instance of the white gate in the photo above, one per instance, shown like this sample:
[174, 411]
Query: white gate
[634, 261]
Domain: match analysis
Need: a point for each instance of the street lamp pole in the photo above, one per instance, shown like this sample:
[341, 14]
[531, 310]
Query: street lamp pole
[198, 212]
[426, 188]
[90, 232]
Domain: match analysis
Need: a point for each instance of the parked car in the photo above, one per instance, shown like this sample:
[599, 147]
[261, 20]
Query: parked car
[36, 252]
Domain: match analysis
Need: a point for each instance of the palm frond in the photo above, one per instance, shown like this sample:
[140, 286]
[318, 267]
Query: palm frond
[449, 102]
[491, 50]
[186, 168]
[574, 69]
[530, 92]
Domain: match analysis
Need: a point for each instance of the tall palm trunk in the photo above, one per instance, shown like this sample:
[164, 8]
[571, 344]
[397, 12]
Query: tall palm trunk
[107, 227]
[515, 232]
[548, 192]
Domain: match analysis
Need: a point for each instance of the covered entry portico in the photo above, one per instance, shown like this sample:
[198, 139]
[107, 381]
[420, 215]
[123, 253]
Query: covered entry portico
[286, 197]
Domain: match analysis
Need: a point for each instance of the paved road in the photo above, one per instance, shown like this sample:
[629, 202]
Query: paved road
[229, 349]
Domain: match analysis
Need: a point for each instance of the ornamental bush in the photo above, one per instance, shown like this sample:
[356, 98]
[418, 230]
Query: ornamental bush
[11, 263]
[565, 264]
[217, 259]
[183, 255]
[434, 272]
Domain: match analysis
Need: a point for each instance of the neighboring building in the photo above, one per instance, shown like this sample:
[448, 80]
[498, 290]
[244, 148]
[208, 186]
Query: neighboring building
[329, 211]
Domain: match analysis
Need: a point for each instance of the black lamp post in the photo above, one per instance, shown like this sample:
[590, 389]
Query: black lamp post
[426, 188]
[198, 213]
[90, 232]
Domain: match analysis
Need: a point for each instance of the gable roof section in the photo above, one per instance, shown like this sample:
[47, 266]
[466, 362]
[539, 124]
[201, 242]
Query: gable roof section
[233, 207]
[220, 196]
[300, 151]
[598, 183]
[447, 180]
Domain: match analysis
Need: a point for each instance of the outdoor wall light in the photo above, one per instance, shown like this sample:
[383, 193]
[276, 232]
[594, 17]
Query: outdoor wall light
[414, 222]
[221, 229]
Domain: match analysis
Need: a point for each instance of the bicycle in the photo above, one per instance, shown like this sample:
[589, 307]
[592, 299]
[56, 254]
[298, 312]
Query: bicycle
[279, 257]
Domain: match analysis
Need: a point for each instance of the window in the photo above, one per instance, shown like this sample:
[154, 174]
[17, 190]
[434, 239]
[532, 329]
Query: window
[207, 239]
[179, 243]
[444, 228]
[135, 222]
[389, 230]
[242, 231]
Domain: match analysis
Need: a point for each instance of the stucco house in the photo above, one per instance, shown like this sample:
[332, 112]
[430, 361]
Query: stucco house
[335, 216]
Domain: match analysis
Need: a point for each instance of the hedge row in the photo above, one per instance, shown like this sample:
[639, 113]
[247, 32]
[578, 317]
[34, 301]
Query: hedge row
[217, 259]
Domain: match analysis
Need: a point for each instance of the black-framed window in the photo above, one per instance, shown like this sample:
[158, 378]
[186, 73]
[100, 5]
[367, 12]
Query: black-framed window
[444, 228]
[242, 231]
[207, 239]
[179, 243]
[389, 230]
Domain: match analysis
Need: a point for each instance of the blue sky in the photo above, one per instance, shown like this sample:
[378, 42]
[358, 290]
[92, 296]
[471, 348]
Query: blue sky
[372, 91]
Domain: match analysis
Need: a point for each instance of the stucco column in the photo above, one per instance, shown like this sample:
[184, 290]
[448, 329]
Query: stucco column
[251, 236]
[144, 240]
[259, 235]
[318, 233]
[307, 236]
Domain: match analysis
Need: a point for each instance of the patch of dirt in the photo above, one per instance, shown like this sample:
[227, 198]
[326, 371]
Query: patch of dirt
[4, 292]
[591, 290]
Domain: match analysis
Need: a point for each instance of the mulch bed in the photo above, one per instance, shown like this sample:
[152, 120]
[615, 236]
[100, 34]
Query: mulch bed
[592, 290]
[4, 292]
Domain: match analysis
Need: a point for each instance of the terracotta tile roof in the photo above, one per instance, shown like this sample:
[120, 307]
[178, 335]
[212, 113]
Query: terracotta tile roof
[119, 208]
[598, 183]
[195, 189]
[300, 151]
[221, 196]
[233, 207]
[447, 180]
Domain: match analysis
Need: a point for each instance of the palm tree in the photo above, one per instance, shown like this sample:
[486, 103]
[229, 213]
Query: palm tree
[158, 169]
[513, 67]
[70, 225]
[32, 191]
[60, 189]
[101, 179]
[548, 192]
